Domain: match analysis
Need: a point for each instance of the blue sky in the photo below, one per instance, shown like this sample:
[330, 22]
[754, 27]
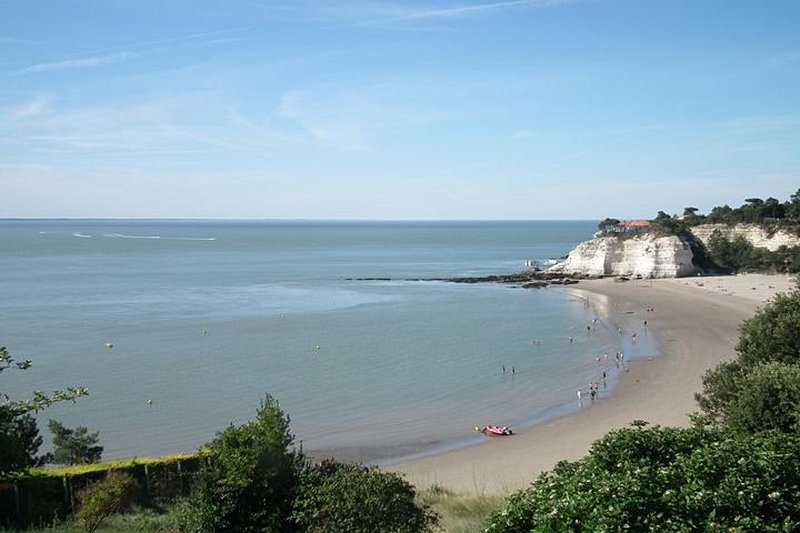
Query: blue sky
[362, 109]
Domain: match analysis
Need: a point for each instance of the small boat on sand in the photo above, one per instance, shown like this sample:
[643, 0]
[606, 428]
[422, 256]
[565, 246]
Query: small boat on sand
[494, 430]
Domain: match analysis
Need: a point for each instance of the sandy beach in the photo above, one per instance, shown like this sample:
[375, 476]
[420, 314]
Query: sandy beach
[696, 322]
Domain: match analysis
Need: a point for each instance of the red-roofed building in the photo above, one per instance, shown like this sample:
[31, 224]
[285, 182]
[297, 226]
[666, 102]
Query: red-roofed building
[633, 225]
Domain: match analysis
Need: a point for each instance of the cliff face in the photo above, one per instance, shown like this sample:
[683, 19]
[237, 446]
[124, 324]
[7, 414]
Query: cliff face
[754, 233]
[644, 255]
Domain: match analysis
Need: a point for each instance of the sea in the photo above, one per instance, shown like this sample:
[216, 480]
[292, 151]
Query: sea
[179, 328]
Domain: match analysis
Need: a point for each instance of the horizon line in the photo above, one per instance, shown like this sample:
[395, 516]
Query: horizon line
[221, 219]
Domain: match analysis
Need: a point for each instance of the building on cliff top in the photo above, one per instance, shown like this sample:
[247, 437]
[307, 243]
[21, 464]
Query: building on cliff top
[633, 225]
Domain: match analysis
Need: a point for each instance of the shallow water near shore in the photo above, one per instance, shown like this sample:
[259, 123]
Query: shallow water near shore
[207, 316]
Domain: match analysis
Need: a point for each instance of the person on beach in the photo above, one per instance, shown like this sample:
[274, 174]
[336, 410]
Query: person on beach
[579, 395]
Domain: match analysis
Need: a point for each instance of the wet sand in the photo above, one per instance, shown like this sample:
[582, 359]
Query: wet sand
[696, 321]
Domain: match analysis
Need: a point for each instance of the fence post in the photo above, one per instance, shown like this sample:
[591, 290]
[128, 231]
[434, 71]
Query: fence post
[68, 499]
[147, 482]
[180, 478]
[16, 502]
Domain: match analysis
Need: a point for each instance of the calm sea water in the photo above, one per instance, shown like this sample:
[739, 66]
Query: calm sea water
[207, 316]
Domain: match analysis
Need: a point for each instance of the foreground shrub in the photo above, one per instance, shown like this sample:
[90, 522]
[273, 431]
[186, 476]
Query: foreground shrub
[767, 397]
[695, 479]
[102, 499]
[760, 389]
[353, 498]
[250, 478]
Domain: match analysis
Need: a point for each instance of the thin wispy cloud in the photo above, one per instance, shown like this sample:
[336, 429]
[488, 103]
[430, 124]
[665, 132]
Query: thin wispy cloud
[36, 107]
[476, 9]
[381, 13]
[14, 40]
[87, 62]
[522, 134]
[182, 38]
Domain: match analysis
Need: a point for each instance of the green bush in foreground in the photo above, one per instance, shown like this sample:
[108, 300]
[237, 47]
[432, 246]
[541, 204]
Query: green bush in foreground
[767, 398]
[105, 498]
[666, 479]
[356, 499]
[250, 479]
[760, 389]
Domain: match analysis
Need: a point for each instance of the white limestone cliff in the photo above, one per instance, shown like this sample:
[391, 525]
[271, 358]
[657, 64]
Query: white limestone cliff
[643, 255]
[754, 233]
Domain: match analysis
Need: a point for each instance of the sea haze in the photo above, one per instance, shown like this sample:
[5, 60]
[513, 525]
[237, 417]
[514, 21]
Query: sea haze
[207, 316]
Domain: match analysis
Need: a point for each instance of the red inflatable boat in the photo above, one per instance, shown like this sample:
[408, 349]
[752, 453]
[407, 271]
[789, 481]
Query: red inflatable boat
[495, 430]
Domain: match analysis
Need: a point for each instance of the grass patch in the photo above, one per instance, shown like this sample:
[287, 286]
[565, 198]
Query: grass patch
[138, 521]
[461, 513]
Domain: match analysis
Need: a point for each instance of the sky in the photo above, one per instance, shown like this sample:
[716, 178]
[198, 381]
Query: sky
[371, 109]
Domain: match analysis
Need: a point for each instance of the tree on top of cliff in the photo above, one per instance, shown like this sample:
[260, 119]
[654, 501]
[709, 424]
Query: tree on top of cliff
[608, 224]
[665, 224]
[754, 211]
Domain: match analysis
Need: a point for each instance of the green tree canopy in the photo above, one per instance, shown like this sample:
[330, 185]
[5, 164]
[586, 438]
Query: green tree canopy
[665, 479]
[74, 446]
[773, 334]
[250, 479]
[608, 224]
[748, 392]
[766, 398]
[345, 497]
[19, 435]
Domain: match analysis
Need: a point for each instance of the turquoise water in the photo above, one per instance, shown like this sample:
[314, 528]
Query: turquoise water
[207, 316]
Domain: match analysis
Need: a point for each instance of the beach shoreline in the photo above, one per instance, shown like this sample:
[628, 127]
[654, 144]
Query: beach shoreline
[696, 322]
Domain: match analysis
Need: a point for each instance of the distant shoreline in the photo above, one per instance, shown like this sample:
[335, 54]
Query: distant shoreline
[696, 321]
